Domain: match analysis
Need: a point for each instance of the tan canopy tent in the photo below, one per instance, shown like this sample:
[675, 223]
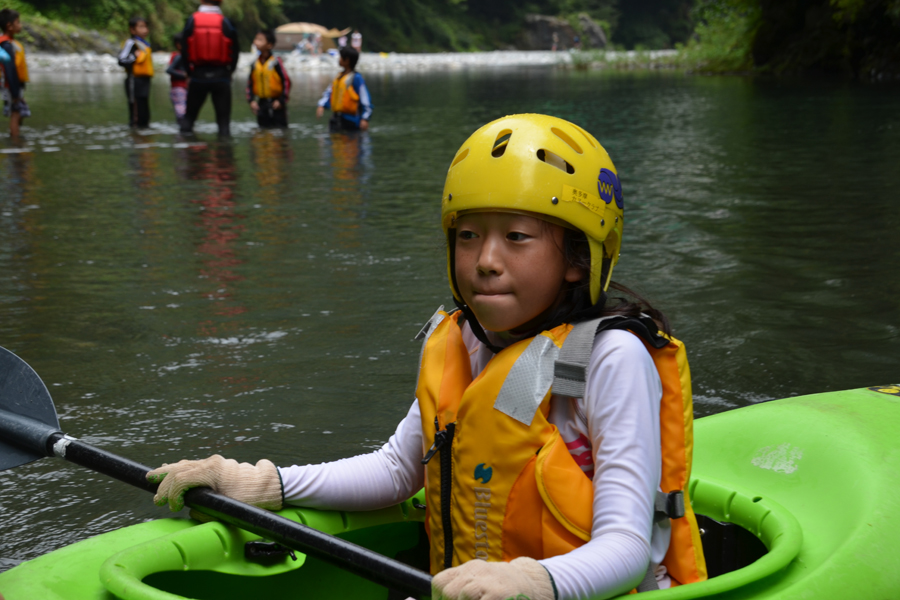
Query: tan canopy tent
[289, 35]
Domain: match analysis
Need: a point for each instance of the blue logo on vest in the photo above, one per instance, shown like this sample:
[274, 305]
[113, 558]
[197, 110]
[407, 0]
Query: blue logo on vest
[482, 473]
[608, 185]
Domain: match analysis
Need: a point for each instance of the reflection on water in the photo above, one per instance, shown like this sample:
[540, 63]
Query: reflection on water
[221, 226]
[348, 167]
[257, 297]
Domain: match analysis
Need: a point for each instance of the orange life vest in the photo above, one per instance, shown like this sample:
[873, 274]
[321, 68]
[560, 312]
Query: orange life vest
[344, 98]
[143, 60]
[19, 58]
[511, 485]
[266, 81]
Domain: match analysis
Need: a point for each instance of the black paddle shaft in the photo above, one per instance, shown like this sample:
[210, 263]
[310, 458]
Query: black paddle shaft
[42, 438]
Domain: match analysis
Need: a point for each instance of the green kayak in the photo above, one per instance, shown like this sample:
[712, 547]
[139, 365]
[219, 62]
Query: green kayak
[799, 499]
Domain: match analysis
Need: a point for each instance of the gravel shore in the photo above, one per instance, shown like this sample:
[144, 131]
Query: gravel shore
[90, 62]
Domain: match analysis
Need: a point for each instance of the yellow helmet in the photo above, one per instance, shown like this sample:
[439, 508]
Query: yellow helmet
[546, 167]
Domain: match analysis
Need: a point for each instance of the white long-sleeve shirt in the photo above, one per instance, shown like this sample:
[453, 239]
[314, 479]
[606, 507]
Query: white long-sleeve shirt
[613, 434]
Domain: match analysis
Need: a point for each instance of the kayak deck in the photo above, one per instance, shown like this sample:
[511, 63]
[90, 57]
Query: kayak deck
[809, 484]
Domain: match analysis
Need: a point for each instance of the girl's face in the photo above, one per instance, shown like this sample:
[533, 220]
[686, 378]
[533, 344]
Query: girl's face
[510, 268]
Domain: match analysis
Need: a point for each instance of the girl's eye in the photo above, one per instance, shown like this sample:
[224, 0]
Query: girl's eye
[516, 236]
[466, 235]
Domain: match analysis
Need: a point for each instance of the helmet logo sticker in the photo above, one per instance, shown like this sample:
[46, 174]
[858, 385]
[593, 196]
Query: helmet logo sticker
[609, 186]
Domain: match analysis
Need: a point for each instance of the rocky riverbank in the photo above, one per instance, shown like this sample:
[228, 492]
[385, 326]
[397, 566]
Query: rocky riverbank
[43, 35]
[94, 62]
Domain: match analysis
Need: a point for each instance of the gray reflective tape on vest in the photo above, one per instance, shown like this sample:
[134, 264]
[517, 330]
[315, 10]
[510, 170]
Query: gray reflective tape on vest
[528, 381]
[430, 325]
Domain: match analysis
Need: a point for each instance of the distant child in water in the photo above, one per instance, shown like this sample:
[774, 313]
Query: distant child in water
[552, 424]
[178, 79]
[15, 71]
[268, 86]
[137, 58]
[347, 97]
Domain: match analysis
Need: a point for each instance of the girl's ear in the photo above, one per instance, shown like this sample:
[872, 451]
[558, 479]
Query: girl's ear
[575, 274]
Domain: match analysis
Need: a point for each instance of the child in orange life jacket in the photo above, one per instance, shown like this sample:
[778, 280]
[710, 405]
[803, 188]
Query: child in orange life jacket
[547, 417]
[347, 97]
[15, 71]
[137, 59]
[178, 80]
[268, 85]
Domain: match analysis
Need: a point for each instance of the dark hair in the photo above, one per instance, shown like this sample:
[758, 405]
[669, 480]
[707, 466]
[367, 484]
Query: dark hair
[350, 54]
[133, 21]
[177, 38]
[576, 305]
[8, 16]
[270, 35]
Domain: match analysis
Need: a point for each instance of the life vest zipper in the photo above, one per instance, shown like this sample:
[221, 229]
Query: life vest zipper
[443, 442]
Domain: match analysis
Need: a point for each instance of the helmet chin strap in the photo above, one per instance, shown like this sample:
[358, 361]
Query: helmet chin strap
[477, 329]
[591, 313]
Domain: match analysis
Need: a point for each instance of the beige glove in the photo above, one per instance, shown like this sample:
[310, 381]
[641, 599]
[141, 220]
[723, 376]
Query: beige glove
[521, 579]
[258, 485]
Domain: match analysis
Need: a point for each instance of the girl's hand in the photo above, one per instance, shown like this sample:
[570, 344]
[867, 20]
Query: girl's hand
[254, 107]
[276, 105]
[521, 579]
[258, 485]
[319, 112]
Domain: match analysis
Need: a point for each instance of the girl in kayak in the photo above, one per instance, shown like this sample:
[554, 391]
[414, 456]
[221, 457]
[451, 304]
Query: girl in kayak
[552, 426]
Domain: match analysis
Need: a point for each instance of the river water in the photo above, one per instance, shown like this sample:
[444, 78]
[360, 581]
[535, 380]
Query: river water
[258, 297]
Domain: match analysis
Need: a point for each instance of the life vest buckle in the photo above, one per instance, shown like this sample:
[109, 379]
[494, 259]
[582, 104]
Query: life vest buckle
[669, 506]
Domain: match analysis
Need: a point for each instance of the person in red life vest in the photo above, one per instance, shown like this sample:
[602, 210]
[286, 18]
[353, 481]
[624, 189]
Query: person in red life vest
[552, 426]
[178, 80]
[137, 59]
[347, 97]
[209, 41]
[268, 85]
[15, 71]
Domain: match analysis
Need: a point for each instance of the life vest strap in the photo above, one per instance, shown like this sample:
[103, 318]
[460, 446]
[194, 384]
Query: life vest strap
[569, 370]
[648, 583]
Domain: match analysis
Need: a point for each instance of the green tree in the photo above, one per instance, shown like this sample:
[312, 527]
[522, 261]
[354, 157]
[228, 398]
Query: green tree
[165, 17]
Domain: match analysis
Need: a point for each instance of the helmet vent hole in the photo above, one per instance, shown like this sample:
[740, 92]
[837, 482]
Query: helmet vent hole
[501, 142]
[555, 160]
[459, 158]
[586, 135]
[565, 137]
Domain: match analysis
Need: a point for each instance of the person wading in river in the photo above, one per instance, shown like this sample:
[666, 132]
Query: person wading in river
[15, 71]
[547, 417]
[268, 85]
[178, 80]
[137, 59]
[347, 97]
[209, 42]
